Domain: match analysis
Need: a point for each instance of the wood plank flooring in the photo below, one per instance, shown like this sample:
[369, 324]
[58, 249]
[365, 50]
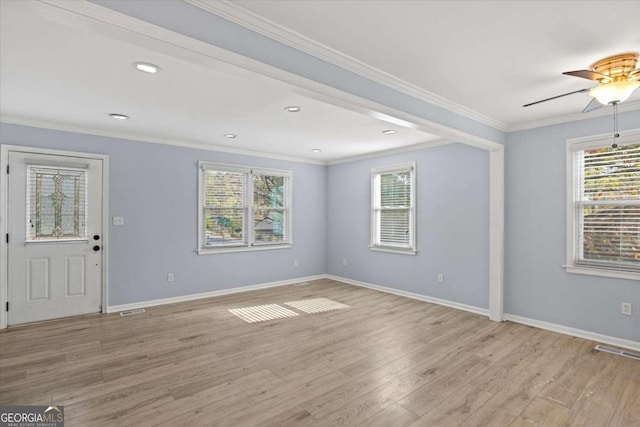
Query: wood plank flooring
[385, 361]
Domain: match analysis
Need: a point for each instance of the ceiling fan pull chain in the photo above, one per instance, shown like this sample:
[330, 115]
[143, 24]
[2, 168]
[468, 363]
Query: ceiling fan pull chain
[615, 125]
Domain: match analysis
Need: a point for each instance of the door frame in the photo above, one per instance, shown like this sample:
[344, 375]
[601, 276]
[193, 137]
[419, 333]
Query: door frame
[4, 207]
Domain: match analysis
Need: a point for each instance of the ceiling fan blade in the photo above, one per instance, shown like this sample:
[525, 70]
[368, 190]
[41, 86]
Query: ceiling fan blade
[556, 97]
[593, 105]
[588, 74]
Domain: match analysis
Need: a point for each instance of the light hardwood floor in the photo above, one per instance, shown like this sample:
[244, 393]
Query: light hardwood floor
[385, 361]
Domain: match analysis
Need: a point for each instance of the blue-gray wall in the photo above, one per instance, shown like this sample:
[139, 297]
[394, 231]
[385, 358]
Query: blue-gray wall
[537, 286]
[154, 187]
[452, 196]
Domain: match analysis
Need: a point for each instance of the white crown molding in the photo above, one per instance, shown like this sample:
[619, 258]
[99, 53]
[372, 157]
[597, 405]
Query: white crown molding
[11, 120]
[133, 137]
[622, 108]
[252, 21]
[192, 297]
[392, 151]
[247, 19]
[114, 24]
[133, 30]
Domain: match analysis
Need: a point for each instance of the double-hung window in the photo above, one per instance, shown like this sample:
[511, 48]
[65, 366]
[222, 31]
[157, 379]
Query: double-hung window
[603, 213]
[243, 208]
[393, 209]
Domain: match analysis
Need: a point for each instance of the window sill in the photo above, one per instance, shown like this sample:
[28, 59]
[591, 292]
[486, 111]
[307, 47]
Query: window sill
[393, 250]
[223, 250]
[594, 271]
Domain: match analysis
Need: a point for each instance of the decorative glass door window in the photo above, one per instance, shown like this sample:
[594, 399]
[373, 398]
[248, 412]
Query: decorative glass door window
[56, 203]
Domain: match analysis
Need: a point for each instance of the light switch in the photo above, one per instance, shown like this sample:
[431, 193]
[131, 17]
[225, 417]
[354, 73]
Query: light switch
[118, 220]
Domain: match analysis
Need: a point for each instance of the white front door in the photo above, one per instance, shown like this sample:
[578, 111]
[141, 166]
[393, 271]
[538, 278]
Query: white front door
[55, 236]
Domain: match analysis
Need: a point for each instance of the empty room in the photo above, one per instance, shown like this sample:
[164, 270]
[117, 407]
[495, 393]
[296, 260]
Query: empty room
[319, 213]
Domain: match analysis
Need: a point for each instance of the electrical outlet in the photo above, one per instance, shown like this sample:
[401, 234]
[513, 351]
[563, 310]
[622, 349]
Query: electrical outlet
[170, 277]
[626, 308]
[296, 263]
[118, 220]
[344, 261]
[440, 277]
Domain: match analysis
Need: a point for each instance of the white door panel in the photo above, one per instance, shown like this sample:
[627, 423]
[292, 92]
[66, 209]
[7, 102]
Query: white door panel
[74, 275]
[55, 237]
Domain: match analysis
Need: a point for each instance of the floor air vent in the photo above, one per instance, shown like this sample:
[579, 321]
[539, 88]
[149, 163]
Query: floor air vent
[132, 312]
[618, 352]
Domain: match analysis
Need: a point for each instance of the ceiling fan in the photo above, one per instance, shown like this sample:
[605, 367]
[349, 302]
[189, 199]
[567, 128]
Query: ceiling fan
[617, 76]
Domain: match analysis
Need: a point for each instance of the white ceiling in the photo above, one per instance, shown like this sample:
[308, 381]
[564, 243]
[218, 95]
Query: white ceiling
[69, 75]
[482, 58]
[489, 56]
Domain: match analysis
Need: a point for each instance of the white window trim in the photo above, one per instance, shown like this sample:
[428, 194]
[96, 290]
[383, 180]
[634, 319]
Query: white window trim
[401, 167]
[250, 246]
[578, 144]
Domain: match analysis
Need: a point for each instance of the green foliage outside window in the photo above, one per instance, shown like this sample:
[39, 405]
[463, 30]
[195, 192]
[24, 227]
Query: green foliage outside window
[228, 215]
[611, 228]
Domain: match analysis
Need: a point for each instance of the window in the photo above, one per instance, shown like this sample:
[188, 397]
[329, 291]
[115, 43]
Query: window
[56, 203]
[243, 208]
[603, 216]
[393, 213]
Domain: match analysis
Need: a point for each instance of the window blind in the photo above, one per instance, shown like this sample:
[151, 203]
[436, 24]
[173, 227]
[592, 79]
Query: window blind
[393, 216]
[225, 208]
[394, 210]
[607, 207]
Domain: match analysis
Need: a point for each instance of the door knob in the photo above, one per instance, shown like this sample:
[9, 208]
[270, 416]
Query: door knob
[96, 237]
[96, 248]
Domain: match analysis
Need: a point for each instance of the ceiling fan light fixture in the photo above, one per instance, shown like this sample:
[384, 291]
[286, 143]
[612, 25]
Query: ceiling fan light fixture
[614, 92]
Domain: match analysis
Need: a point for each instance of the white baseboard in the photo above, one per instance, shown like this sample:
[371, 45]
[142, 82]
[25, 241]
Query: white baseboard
[425, 298]
[191, 297]
[580, 333]
[592, 336]
[566, 330]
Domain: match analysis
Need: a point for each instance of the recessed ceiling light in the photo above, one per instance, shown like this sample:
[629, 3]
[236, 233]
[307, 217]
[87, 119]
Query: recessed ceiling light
[118, 116]
[145, 67]
[292, 109]
[389, 132]
[316, 150]
[230, 135]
